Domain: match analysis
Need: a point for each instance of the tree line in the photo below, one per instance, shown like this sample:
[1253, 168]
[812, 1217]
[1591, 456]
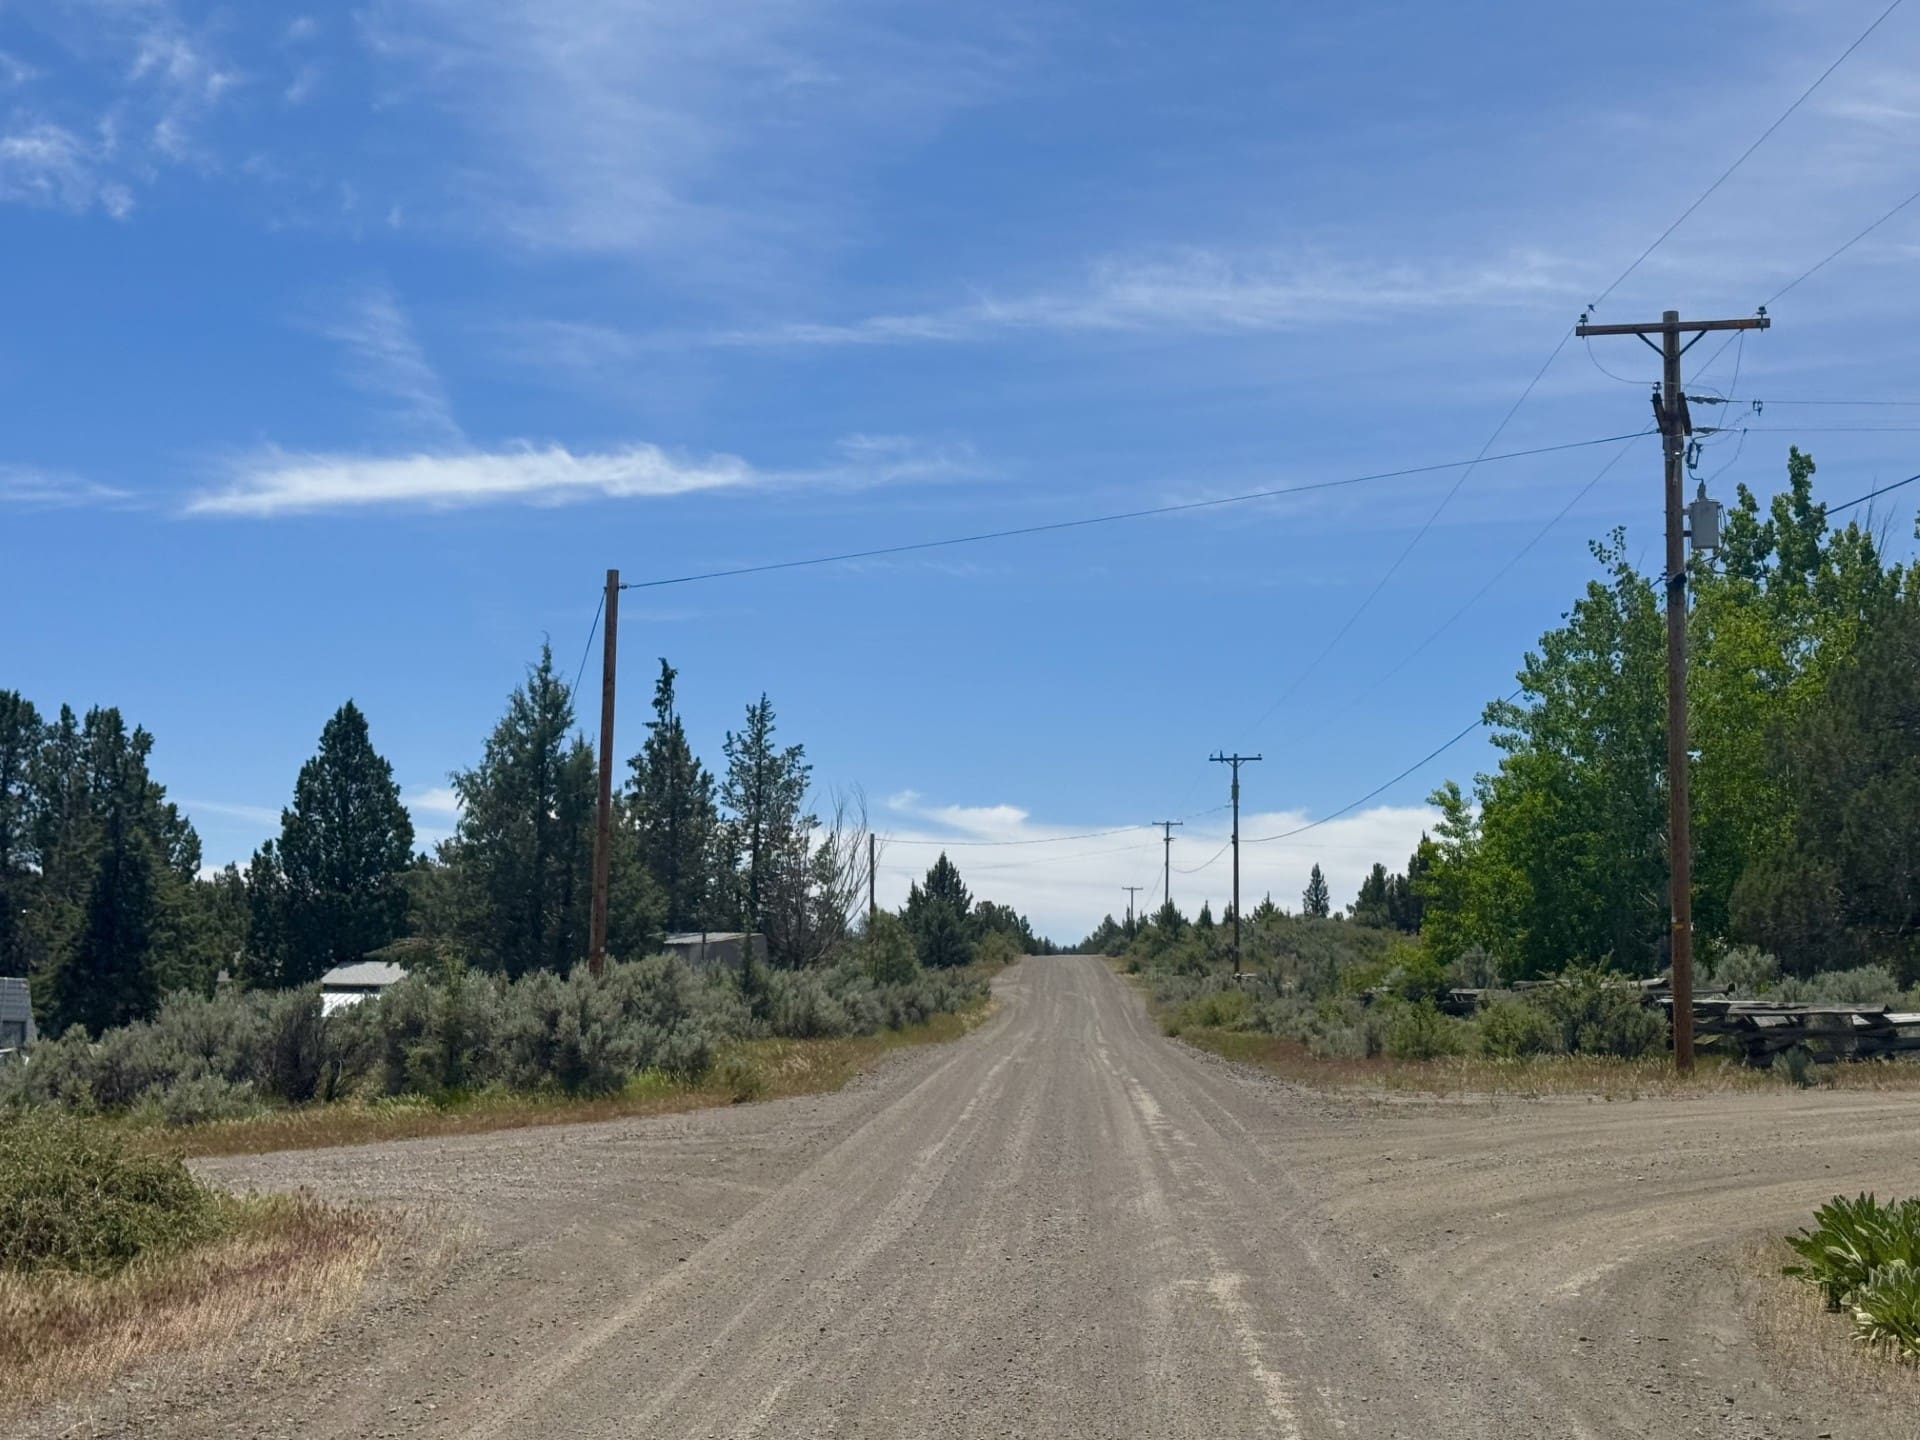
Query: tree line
[104, 907]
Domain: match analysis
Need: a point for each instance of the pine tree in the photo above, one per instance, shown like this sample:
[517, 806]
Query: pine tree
[939, 912]
[671, 802]
[1316, 900]
[1204, 920]
[521, 857]
[1370, 906]
[764, 792]
[345, 847]
[21, 735]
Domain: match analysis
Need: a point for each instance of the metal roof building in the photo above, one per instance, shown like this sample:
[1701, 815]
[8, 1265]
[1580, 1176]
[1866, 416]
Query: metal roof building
[350, 984]
[16, 1014]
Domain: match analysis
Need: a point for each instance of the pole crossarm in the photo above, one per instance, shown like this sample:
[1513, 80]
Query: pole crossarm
[1684, 327]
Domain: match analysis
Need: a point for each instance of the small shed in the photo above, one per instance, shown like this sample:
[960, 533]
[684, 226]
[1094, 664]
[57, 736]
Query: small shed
[346, 985]
[715, 949]
[16, 1014]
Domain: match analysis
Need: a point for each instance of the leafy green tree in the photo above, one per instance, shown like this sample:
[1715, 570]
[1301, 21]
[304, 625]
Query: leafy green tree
[345, 847]
[1316, 900]
[521, 857]
[939, 912]
[671, 801]
[764, 793]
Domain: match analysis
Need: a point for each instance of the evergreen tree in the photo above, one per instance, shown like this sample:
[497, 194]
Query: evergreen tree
[346, 845]
[671, 802]
[1316, 900]
[1371, 905]
[521, 858]
[764, 793]
[21, 736]
[939, 912]
[1168, 920]
[1204, 920]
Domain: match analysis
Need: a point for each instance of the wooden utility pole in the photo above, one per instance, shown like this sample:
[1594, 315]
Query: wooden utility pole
[873, 910]
[1670, 410]
[1236, 761]
[1166, 857]
[1131, 890]
[603, 818]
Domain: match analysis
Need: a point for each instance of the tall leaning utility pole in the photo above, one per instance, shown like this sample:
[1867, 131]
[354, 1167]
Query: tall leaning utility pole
[1131, 890]
[1236, 761]
[1670, 410]
[603, 818]
[1166, 857]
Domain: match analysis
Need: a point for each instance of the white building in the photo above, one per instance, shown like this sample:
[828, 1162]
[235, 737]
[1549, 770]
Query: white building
[346, 985]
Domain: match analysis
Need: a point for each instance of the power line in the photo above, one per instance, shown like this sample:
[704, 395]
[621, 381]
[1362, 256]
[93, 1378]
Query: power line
[1871, 494]
[1727, 174]
[1051, 839]
[1385, 785]
[587, 649]
[1822, 264]
[1300, 675]
[1108, 519]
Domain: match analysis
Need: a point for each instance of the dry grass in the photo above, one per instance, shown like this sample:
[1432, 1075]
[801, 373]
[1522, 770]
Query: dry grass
[282, 1270]
[1471, 1075]
[770, 1068]
[1799, 1335]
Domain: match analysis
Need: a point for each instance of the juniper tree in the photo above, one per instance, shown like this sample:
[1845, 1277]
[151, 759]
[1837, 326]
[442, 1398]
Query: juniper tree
[1316, 900]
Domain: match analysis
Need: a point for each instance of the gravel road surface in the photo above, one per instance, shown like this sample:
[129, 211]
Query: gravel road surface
[1067, 1225]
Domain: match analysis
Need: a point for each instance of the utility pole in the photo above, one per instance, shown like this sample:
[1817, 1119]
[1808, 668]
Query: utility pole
[1236, 761]
[603, 819]
[1670, 410]
[873, 910]
[1131, 890]
[1166, 857]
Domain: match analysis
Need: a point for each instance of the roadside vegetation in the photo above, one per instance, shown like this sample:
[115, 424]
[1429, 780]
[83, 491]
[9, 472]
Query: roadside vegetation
[111, 1255]
[1863, 1256]
[1542, 887]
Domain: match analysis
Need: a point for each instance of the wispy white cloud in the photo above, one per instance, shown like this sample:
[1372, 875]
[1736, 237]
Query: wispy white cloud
[386, 360]
[711, 133]
[51, 167]
[50, 490]
[277, 483]
[230, 810]
[1196, 291]
[439, 800]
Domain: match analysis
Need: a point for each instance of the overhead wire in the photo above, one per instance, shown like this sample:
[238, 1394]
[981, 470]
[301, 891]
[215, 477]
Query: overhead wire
[1871, 495]
[587, 649]
[1744, 155]
[1147, 512]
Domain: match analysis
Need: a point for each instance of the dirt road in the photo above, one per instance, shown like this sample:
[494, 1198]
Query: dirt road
[1067, 1225]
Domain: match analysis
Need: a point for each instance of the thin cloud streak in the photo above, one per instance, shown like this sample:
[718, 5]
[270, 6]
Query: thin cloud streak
[277, 483]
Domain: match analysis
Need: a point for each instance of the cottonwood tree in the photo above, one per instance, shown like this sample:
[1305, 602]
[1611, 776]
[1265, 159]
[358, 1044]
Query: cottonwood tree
[817, 885]
[334, 885]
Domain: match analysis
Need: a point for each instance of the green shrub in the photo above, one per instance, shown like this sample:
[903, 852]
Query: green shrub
[1746, 970]
[1600, 1013]
[74, 1197]
[887, 951]
[1851, 1239]
[1512, 1028]
[1420, 1032]
[1795, 1063]
[1211, 1010]
[1886, 1309]
[741, 1077]
[996, 950]
[1866, 985]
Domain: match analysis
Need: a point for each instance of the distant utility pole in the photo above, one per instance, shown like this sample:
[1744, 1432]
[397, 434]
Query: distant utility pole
[1166, 857]
[1131, 890]
[1236, 761]
[1670, 410]
[873, 910]
[603, 820]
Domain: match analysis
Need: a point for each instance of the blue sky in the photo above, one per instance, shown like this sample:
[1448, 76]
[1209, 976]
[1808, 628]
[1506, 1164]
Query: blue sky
[346, 348]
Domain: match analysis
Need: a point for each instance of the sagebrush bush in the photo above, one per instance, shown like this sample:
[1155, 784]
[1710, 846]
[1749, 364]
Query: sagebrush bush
[1866, 985]
[1598, 1012]
[74, 1197]
[215, 1058]
[1512, 1028]
[1418, 1031]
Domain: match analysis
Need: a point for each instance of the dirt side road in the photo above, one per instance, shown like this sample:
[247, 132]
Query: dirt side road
[1066, 1225]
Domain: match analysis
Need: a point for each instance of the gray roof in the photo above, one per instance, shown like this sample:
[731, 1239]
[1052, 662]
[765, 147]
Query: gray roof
[694, 937]
[15, 1002]
[362, 975]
